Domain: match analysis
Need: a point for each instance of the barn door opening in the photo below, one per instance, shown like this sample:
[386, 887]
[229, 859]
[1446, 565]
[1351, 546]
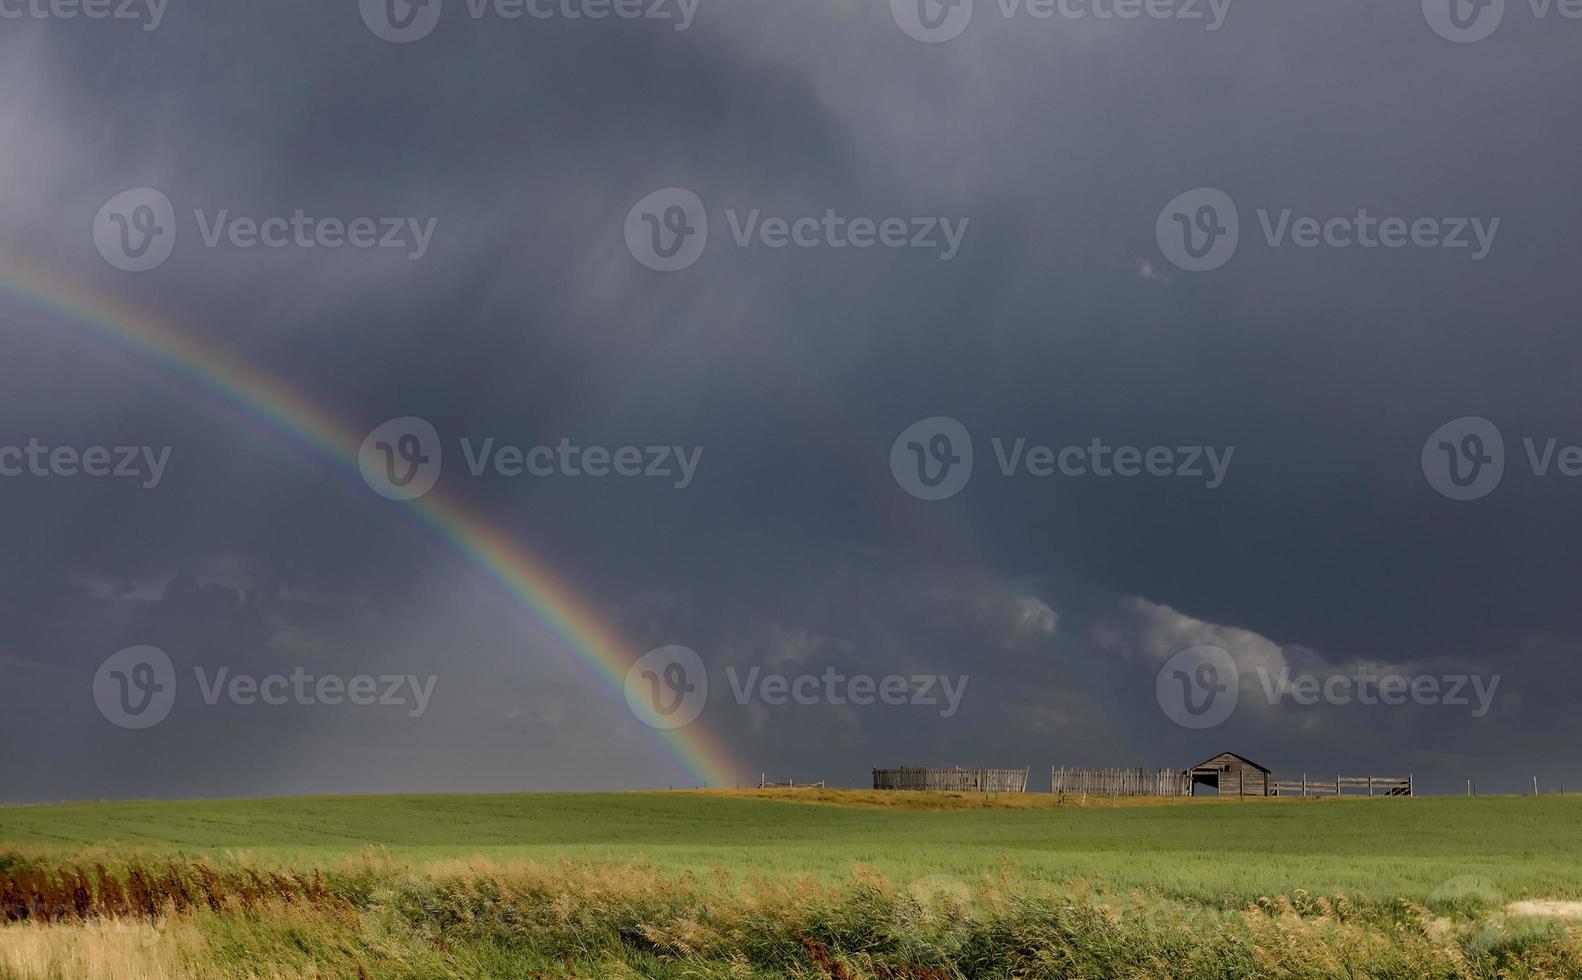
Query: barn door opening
[1205, 782]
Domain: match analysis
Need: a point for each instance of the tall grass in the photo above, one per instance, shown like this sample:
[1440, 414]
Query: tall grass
[373, 917]
[32, 893]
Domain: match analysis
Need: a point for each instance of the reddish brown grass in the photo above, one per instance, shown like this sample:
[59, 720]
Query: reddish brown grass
[36, 894]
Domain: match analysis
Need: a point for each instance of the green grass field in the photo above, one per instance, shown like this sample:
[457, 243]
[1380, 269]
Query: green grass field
[862, 884]
[1227, 852]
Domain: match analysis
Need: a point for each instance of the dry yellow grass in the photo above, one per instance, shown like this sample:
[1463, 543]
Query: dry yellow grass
[103, 950]
[478, 918]
[1546, 908]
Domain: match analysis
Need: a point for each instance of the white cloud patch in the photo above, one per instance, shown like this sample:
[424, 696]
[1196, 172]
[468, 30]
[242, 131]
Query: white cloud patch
[1153, 633]
[1150, 272]
[43, 155]
[1032, 616]
[236, 573]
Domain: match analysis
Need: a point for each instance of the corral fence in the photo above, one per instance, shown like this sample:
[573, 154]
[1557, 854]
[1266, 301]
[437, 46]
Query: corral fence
[1121, 782]
[958, 780]
[1344, 786]
[1175, 782]
[764, 782]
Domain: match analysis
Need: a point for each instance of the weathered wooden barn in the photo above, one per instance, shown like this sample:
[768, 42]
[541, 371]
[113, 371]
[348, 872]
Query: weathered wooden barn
[1231, 775]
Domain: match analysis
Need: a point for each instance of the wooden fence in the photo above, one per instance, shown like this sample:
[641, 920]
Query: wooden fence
[1344, 786]
[1174, 782]
[764, 782]
[1121, 782]
[957, 780]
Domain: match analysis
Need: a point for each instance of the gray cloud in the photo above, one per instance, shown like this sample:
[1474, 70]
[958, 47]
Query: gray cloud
[1059, 320]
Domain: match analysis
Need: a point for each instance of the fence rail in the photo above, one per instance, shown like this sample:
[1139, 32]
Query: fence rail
[764, 782]
[1344, 786]
[958, 780]
[1115, 782]
[1121, 782]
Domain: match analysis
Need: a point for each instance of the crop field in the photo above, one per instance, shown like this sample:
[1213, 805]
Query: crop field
[791, 883]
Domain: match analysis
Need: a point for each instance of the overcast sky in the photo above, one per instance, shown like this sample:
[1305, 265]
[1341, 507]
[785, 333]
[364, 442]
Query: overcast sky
[1306, 393]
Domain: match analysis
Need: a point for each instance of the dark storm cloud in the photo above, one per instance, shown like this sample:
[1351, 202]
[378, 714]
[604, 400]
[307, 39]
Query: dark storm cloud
[1059, 321]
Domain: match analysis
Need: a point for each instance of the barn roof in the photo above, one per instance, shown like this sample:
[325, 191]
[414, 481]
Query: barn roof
[1233, 756]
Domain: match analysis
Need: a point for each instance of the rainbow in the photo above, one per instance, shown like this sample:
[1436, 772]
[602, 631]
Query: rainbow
[253, 399]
